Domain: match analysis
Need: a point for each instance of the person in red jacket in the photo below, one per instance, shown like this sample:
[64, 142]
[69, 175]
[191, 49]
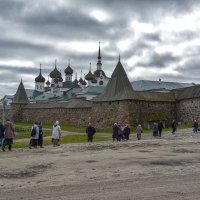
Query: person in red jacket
[8, 135]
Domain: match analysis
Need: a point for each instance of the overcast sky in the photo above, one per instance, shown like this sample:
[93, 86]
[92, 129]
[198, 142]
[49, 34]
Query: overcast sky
[155, 39]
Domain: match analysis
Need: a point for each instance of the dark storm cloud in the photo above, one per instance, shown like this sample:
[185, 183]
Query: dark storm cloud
[11, 73]
[24, 49]
[70, 25]
[159, 60]
[191, 67]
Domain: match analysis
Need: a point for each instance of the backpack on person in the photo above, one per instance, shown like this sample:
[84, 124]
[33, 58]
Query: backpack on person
[33, 132]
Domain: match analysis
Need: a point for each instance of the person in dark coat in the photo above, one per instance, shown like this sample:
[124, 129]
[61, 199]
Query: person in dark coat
[155, 129]
[90, 130]
[40, 140]
[160, 127]
[1, 134]
[115, 132]
[195, 126]
[174, 127]
[127, 132]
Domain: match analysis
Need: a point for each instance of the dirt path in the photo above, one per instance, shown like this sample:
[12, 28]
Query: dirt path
[167, 168]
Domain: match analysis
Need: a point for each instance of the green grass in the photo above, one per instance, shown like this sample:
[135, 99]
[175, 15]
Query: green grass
[64, 140]
[64, 127]
[22, 135]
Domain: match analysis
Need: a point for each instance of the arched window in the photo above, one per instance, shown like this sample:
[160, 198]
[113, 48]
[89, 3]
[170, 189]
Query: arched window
[100, 82]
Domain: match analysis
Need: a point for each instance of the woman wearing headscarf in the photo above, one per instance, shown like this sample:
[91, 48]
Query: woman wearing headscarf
[139, 131]
[56, 133]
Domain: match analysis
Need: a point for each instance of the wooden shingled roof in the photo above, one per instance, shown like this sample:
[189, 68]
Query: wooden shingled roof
[21, 96]
[187, 93]
[118, 87]
[156, 96]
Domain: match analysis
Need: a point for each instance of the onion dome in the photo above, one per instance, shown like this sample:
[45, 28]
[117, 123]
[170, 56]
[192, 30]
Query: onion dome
[40, 78]
[80, 80]
[60, 79]
[55, 73]
[94, 80]
[84, 82]
[69, 70]
[75, 81]
[89, 76]
[48, 83]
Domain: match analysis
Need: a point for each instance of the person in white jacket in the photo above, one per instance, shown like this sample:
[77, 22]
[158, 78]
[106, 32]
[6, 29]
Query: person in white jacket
[56, 133]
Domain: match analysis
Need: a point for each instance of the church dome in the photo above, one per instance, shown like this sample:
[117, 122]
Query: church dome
[68, 71]
[89, 76]
[84, 82]
[40, 79]
[76, 81]
[48, 83]
[55, 73]
[80, 80]
[60, 79]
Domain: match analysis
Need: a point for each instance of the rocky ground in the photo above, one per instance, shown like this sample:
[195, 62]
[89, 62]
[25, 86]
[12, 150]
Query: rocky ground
[153, 169]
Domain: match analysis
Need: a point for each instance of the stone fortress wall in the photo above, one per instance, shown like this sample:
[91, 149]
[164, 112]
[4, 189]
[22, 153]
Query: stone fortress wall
[103, 115]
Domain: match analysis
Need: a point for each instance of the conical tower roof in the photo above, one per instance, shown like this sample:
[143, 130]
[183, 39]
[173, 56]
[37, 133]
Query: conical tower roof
[118, 87]
[20, 96]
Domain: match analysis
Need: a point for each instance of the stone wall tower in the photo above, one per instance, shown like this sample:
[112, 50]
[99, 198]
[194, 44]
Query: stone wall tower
[20, 100]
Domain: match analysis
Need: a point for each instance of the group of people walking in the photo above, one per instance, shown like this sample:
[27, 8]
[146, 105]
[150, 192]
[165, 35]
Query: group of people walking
[157, 129]
[120, 132]
[36, 138]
